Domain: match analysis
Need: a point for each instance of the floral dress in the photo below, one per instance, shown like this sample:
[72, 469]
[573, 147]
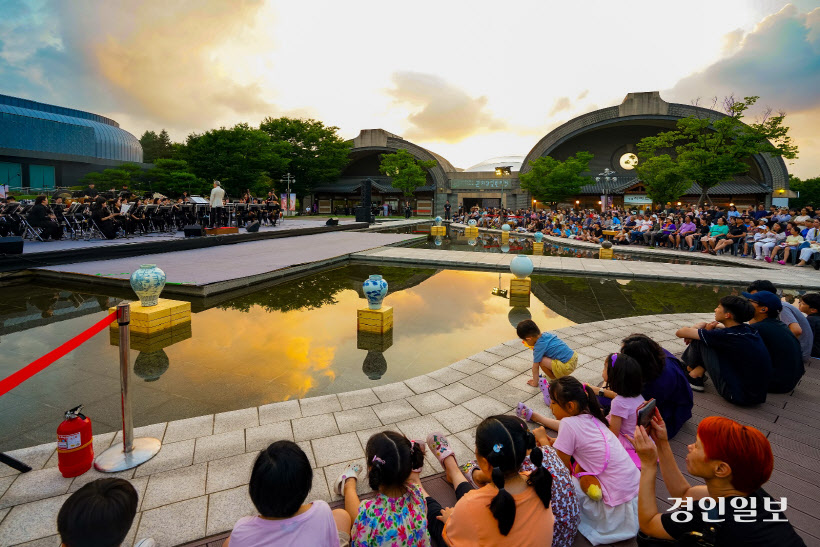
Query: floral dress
[392, 522]
[564, 504]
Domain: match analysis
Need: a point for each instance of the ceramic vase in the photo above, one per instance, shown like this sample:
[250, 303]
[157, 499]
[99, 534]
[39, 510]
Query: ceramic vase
[505, 227]
[471, 222]
[538, 237]
[521, 266]
[471, 242]
[375, 289]
[148, 282]
[438, 221]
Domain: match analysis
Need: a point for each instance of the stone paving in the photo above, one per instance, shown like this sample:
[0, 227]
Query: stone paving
[795, 278]
[197, 485]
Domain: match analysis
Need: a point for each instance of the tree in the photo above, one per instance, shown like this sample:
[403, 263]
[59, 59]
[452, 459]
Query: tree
[172, 178]
[405, 171]
[551, 180]
[664, 180]
[115, 178]
[709, 151]
[237, 157]
[808, 189]
[155, 146]
[316, 152]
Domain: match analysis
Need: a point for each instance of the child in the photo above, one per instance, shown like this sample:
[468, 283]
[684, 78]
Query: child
[584, 436]
[99, 513]
[280, 481]
[397, 516]
[549, 352]
[623, 374]
[514, 510]
[810, 305]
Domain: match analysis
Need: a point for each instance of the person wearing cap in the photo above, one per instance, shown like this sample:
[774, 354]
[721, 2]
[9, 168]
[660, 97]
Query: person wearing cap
[732, 352]
[791, 316]
[783, 347]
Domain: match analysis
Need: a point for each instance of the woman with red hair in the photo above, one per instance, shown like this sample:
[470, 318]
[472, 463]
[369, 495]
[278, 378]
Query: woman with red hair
[731, 508]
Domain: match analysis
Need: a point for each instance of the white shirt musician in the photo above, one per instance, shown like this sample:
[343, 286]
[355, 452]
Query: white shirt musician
[217, 195]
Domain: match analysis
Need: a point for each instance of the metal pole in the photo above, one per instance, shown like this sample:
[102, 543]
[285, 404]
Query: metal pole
[134, 451]
[124, 320]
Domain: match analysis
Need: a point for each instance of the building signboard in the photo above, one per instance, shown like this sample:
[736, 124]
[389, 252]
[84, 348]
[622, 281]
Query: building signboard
[637, 199]
[469, 184]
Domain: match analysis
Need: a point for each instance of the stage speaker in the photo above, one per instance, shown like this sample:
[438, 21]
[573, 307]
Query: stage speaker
[11, 245]
[332, 222]
[194, 230]
[253, 227]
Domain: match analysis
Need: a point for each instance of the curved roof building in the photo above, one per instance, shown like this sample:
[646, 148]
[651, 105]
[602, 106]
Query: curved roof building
[42, 145]
[513, 162]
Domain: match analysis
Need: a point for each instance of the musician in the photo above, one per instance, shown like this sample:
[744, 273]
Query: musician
[91, 191]
[104, 218]
[275, 209]
[125, 193]
[40, 216]
[136, 218]
[217, 205]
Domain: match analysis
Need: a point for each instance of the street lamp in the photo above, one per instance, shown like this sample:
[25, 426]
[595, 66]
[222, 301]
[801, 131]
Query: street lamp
[606, 177]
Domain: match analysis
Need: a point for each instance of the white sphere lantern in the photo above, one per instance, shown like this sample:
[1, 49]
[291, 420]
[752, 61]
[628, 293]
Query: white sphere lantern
[505, 227]
[521, 266]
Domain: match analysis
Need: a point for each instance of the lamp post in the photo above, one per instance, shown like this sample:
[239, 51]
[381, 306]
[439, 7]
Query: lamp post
[287, 180]
[606, 177]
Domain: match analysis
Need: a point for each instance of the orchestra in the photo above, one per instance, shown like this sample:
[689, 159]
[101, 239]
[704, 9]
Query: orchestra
[91, 214]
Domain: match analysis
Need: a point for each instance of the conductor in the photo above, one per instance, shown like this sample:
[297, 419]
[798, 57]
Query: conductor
[217, 195]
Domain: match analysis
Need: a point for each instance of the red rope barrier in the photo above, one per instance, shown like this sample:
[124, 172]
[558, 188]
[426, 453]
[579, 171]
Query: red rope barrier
[11, 382]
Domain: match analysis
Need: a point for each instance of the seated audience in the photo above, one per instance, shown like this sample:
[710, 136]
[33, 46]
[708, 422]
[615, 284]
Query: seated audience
[735, 461]
[731, 352]
[280, 481]
[783, 347]
[791, 316]
[810, 305]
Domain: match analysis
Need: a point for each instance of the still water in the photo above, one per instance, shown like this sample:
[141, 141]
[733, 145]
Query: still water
[291, 340]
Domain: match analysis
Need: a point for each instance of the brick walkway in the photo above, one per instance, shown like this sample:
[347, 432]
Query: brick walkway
[197, 485]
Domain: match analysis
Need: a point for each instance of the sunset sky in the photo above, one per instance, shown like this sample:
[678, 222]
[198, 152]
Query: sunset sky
[468, 80]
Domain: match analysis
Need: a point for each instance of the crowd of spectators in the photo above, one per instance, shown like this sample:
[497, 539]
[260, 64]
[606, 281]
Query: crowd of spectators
[784, 235]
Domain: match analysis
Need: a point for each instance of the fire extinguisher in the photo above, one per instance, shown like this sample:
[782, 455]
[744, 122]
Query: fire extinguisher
[75, 451]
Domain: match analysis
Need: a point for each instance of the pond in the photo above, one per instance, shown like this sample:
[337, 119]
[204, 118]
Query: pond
[294, 339]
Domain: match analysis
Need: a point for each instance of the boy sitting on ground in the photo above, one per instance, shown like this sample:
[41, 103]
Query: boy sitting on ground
[549, 352]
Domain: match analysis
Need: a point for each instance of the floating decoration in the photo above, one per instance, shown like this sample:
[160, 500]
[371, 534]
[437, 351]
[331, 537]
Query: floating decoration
[472, 222]
[375, 289]
[521, 266]
[148, 282]
[438, 221]
[505, 227]
[539, 236]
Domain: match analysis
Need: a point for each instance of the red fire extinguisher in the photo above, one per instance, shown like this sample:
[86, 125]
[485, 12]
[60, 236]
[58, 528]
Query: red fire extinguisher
[75, 451]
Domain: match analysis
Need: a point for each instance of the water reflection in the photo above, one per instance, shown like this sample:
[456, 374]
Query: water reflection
[292, 340]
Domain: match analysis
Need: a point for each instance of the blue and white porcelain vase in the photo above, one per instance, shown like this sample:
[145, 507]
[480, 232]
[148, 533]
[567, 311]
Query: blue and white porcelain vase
[438, 241]
[148, 282]
[539, 236]
[438, 221]
[505, 227]
[471, 222]
[375, 289]
[521, 266]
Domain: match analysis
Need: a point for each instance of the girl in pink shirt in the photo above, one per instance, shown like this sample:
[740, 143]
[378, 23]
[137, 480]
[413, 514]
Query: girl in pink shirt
[584, 436]
[623, 376]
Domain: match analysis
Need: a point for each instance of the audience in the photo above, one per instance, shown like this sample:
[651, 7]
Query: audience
[783, 347]
[735, 461]
[810, 305]
[731, 352]
[798, 324]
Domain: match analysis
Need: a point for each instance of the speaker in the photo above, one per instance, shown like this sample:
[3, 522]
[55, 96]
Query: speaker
[194, 230]
[253, 227]
[332, 222]
[11, 245]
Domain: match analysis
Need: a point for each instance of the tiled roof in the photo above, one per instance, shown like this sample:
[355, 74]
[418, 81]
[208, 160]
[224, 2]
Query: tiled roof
[740, 185]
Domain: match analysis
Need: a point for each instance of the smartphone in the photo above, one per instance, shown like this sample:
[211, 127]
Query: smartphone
[646, 412]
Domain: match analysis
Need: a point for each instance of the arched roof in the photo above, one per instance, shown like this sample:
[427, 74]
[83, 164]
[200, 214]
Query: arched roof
[501, 161]
[40, 127]
[647, 106]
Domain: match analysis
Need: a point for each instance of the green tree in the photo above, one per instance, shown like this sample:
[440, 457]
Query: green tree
[237, 157]
[664, 180]
[127, 174]
[405, 171]
[709, 151]
[808, 189]
[551, 180]
[155, 146]
[316, 152]
[172, 178]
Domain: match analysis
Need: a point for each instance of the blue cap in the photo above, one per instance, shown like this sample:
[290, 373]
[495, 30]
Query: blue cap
[765, 298]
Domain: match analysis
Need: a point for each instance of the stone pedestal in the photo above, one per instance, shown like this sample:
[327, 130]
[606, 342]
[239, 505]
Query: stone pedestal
[375, 321]
[538, 248]
[372, 341]
[438, 230]
[505, 237]
[153, 319]
[605, 254]
[520, 292]
[154, 342]
[471, 231]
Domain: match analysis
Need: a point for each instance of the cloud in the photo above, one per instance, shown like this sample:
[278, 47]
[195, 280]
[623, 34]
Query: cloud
[779, 61]
[441, 110]
[561, 104]
[582, 95]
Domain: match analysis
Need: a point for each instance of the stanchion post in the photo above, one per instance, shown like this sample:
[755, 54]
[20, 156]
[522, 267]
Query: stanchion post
[134, 451]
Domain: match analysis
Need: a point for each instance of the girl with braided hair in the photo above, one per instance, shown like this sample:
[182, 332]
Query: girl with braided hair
[512, 510]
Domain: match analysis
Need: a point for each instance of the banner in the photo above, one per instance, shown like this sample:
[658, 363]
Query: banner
[283, 201]
[292, 202]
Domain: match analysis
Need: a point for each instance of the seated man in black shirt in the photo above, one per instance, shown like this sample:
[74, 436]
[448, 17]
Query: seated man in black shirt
[731, 352]
[784, 349]
[42, 218]
[731, 508]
